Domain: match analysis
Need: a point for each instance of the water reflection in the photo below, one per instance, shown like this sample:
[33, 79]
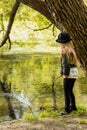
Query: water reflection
[28, 81]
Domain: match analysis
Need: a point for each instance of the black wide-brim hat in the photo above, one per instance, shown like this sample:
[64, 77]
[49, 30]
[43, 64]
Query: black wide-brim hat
[63, 37]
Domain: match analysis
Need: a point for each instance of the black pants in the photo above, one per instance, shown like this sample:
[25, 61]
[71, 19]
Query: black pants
[69, 95]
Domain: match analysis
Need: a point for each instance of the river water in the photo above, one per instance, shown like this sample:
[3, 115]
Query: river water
[26, 81]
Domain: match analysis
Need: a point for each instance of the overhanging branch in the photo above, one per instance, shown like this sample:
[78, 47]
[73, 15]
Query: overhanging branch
[41, 29]
[10, 23]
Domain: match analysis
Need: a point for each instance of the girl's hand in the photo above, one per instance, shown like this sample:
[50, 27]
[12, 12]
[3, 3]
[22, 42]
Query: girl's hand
[66, 76]
[60, 75]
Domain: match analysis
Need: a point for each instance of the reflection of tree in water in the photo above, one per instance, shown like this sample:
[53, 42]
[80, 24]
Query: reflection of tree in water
[6, 88]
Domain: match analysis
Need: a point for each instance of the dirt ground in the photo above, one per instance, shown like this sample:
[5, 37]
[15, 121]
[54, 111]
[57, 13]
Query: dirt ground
[59, 123]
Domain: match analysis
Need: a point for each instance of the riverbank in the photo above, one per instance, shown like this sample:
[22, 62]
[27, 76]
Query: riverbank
[41, 48]
[69, 122]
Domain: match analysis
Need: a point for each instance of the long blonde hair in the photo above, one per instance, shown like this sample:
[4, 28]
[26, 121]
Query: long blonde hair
[68, 50]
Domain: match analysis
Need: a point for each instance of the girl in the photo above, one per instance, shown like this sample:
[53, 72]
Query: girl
[68, 71]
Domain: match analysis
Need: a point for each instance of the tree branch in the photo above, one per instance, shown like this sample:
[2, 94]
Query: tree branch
[41, 29]
[2, 24]
[3, 30]
[11, 20]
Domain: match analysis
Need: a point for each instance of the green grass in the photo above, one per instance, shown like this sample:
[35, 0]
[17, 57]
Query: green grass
[81, 110]
[50, 113]
[82, 121]
[41, 114]
[30, 117]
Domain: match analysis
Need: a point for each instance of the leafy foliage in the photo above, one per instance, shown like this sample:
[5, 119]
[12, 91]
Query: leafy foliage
[5, 8]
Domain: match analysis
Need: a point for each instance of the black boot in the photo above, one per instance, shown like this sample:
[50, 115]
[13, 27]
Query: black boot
[73, 108]
[65, 112]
